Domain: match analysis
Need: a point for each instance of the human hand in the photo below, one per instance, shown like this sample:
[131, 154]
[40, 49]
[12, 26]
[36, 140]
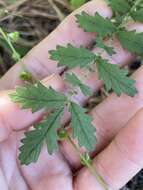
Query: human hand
[118, 120]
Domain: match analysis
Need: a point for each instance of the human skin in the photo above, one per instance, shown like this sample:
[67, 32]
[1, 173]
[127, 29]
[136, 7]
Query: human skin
[119, 152]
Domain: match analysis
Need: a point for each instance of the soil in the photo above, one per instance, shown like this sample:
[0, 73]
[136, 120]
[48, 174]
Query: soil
[34, 20]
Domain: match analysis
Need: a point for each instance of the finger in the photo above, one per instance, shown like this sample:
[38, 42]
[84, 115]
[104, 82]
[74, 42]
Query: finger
[37, 61]
[120, 161]
[13, 118]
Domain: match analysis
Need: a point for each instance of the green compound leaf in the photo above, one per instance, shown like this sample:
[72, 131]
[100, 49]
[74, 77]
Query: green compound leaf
[71, 56]
[120, 6]
[131, 41]
[115, 78]
[138, 15]
[83, 129]
[34, 140]
[38, 96]
[102, 26]
[73, 79]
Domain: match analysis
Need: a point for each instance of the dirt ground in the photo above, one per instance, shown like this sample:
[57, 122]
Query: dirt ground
[34, 20]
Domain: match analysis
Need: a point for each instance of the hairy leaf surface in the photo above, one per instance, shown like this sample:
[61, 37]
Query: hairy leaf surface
[132, 41]
[38, 96]
[115, 78]
[71, 56]
[102, 26]
[82, 126]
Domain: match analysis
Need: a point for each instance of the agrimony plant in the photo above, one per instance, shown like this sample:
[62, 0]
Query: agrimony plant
[114, 78]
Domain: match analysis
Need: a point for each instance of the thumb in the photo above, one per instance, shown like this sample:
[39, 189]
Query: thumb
[12, 118]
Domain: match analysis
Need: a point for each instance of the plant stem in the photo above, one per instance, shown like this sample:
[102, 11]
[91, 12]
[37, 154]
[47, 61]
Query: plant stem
[25, 74]
[88, 164]
[14, 52]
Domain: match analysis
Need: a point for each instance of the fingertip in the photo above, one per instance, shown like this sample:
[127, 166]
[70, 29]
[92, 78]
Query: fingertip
[99, 6]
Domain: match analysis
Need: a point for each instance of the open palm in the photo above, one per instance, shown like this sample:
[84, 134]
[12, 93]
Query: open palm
[118, 120]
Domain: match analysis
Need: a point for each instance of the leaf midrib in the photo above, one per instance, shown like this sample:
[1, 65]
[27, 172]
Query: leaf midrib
[78, 118]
